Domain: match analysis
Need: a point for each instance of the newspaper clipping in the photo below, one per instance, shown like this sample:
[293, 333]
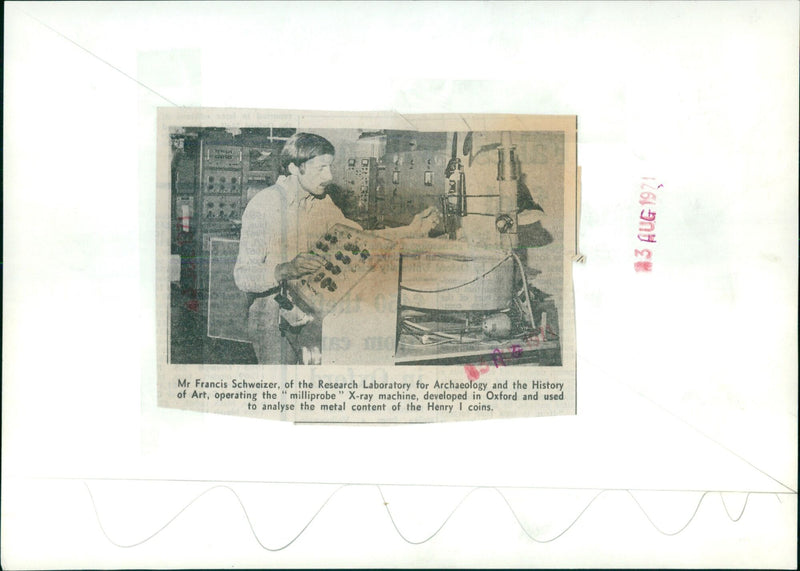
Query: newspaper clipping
[330, 267]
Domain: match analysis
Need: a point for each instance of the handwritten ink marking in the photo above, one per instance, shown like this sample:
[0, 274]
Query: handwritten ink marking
[647, 225]
[497, 355]
[532, 340]
[515, 351]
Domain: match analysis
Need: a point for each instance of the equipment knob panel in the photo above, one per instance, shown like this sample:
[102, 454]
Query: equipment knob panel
[347, 259]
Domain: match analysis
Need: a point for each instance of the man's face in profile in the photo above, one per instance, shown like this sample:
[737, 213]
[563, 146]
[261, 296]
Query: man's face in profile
[315, 174]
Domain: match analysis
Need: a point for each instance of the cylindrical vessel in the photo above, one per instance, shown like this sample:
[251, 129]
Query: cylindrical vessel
[451, 276]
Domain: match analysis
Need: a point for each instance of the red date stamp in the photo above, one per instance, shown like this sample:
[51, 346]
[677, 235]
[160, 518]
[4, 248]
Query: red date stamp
[643, 258]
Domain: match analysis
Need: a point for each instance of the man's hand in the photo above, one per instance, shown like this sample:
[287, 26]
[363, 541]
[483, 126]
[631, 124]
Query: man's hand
[425, 221]
[302, 264]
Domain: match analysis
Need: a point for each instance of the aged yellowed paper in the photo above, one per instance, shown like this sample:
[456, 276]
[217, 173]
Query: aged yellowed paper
[366, 268]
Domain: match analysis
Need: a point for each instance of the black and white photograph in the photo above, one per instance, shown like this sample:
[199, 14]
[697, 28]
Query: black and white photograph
[350, 246]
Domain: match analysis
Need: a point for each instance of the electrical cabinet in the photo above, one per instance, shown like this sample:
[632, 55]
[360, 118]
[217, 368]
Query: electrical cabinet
[409, 182]
[212, 182]
[361, 188]
[221, 185]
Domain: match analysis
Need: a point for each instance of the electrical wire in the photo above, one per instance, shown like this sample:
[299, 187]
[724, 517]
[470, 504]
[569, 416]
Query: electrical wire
[421, 344]
[459, 338]
[500, 263]
[525, 289]
[462, 339]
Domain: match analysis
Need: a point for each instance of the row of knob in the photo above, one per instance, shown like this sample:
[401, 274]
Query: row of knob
[325, 282]
[324, 245]
[223, 204]
[344, 258]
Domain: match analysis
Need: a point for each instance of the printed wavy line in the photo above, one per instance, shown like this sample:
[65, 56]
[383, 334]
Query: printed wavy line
[744, 507]
[694, 513]
[196, 498]
[402, 535]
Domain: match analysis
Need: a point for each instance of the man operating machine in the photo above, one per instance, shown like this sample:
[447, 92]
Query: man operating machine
[294, 237]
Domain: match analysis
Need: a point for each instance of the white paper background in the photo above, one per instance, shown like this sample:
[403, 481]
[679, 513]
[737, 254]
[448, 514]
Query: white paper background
[686, 376]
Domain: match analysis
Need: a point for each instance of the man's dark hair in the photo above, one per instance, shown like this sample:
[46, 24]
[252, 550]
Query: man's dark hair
[302, 147]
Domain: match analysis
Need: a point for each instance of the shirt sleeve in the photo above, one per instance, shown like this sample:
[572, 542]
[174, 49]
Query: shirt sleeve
[255, 265]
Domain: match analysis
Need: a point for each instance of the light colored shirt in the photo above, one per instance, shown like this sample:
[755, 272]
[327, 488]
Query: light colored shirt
[280, 222]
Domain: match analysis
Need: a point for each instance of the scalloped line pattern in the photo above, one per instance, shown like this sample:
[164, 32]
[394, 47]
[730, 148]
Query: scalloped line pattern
[400, 532]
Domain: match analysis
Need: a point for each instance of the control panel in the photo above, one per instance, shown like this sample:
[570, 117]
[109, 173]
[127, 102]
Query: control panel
[214, 174]
[222, 207]
[360, 182]
[349, 255]
[222, 157]
[221, 184]
[410, 181]
[261, 168]
[218, 181]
